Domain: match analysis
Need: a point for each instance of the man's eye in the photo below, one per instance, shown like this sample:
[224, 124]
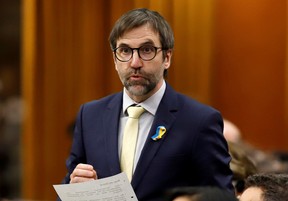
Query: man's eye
[147, 49]
[124, 50]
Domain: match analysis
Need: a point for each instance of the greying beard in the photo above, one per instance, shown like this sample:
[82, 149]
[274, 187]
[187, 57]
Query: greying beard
[145, 88]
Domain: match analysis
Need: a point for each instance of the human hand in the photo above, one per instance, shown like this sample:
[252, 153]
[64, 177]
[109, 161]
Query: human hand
[82, 173]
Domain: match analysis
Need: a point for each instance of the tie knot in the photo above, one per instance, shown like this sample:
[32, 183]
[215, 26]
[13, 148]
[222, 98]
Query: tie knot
[135, 112]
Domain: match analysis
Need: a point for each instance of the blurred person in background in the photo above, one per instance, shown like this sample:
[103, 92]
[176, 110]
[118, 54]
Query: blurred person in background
[264, 161]
[11, 112]
[266, 187]
[241, 166]
[198, 193]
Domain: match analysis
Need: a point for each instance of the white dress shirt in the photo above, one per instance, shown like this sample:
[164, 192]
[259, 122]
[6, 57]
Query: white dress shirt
[145, 120]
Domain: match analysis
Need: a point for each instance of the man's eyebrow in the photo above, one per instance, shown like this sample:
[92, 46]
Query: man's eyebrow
[123, 45]
[147, 42]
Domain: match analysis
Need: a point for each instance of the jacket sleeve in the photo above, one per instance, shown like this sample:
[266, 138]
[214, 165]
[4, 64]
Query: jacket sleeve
[211, 151]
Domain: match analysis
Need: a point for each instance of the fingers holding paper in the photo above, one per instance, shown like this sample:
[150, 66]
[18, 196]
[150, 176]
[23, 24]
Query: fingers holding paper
[82, 173]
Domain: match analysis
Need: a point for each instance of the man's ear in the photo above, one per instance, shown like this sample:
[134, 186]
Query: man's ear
[167, 59]
[115, 61]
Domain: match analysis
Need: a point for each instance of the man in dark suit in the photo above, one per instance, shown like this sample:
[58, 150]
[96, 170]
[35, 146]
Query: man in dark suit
[190, 149]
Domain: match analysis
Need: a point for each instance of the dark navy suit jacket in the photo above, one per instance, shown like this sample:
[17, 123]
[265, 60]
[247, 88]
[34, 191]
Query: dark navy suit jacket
[193, 151]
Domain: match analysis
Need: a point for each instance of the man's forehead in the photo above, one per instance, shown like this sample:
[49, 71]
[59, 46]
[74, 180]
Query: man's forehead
[145, 42]
[142, 34]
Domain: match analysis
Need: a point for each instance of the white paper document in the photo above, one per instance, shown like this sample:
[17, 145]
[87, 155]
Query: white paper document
[115, 188]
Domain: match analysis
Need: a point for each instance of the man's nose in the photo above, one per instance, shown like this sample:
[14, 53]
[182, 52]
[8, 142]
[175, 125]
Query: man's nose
[136, 61]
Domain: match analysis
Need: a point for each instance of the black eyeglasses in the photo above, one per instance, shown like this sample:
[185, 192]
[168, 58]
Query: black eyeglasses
[145, 52]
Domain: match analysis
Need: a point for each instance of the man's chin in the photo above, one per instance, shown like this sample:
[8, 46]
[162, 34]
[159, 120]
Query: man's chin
[137, 90]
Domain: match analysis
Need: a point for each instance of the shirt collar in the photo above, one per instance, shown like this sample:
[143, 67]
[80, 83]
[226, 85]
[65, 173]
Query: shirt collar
[151, 104]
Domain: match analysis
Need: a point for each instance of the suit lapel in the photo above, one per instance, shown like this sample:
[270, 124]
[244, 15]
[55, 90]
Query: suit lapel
[165, 116]
[111, 126]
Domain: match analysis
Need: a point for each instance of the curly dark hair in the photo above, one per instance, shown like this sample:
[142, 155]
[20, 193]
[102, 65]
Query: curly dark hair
[200, 193]
[273, 185]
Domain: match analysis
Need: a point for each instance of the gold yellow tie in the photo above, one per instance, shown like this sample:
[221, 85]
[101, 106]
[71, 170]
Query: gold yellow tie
[129, 140]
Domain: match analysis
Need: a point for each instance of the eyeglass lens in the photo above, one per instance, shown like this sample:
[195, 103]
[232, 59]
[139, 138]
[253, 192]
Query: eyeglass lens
[146, 53]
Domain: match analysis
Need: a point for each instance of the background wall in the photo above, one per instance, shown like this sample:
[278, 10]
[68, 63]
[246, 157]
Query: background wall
[250, 55]
[228, 54]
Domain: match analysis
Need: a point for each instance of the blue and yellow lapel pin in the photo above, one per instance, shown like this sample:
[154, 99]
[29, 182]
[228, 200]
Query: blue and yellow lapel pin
[160, 131]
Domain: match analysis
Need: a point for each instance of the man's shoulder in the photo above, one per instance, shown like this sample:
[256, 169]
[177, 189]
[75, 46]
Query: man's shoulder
[110, 99]
[183, 102]
[188, 102]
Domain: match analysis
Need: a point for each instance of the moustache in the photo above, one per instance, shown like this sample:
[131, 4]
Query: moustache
[137, 72]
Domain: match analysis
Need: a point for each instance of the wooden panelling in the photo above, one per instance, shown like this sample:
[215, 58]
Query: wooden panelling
[63, 66]
[286, 78]
[192, 23]
[29, 146]
[249, 74]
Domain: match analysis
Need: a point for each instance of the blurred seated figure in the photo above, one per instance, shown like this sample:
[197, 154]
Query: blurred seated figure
[231, 132]
[241, 166]
[264, 161]
[10, 126]
[266, 187]
[200, 194]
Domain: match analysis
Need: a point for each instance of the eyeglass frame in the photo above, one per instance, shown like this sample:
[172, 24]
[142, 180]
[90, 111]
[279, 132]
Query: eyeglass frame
[138, 49]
